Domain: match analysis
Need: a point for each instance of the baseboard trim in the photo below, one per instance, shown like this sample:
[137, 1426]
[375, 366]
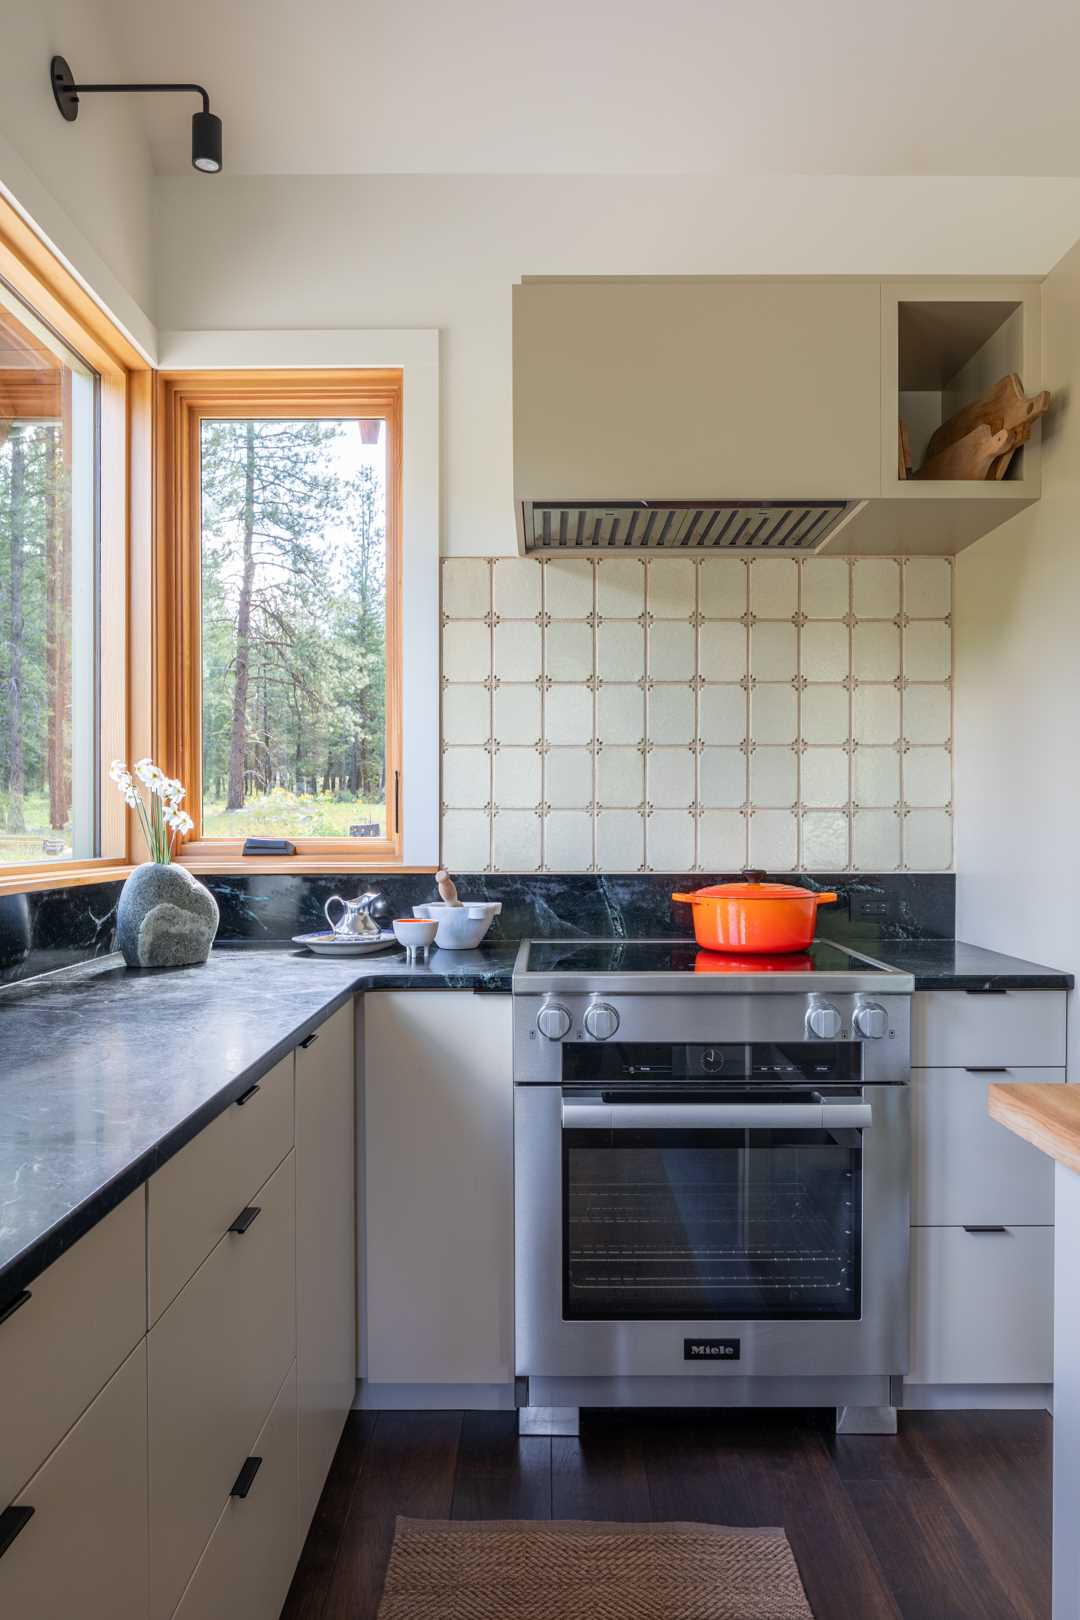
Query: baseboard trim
[434, 1397]
[978, 1397]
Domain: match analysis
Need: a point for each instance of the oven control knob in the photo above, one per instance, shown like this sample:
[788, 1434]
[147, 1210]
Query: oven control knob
[553, 1021]
[871, 1020]
[823, 1020]
[601, 1020]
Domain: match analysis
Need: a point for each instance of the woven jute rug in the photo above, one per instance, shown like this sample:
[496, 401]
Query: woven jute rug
[513, 1570]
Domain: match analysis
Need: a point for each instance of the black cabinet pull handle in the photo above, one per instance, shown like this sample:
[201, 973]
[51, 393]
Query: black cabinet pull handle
[985, 1068]
[13, 1305]
[245, 1479]
[245, 1218]
[246, 1096]
[12, 1521]
[310, 1040]
[986, 990]
[976, 1230]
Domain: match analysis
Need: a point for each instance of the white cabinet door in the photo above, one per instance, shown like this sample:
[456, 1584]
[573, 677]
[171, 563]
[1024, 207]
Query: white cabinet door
[438, 1153]
[193, 1198]
[1018, 1028]
[244, 1572]
[217, 1359]
[966, 1168]
[83, 1553]
[63, 1343]
[981, 1305]
[325, 1246]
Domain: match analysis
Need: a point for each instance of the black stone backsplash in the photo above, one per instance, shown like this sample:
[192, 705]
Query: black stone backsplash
[871, 908]
[55, 928]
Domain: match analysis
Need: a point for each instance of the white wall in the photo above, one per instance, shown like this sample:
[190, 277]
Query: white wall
[442, 251]
[1017, 700]
[86, 186]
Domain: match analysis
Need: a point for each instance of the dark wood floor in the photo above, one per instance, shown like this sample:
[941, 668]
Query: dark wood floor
[949, 1521]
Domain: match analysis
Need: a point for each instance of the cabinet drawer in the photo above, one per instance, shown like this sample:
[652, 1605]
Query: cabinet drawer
[195, 1196]
[84, 1552]
[981, 1305]
[217, 1358]
[1019, 1028]
[965, 1167]
[249, 1560]
[59, 1348]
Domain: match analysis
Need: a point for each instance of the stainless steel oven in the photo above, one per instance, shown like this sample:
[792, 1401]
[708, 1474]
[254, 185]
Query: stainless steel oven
[712, 1191]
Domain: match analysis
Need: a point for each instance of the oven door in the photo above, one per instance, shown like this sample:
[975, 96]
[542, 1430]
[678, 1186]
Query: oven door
[774, 1221]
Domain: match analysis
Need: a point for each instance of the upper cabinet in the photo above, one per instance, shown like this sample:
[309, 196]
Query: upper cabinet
[696, 389]
[674, 393]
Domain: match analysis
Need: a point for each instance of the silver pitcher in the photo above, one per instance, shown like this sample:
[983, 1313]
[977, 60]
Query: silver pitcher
[355, 917]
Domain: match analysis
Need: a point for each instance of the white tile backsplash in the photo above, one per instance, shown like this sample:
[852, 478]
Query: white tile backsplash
[620, 587]
[515, 588]
[620, 713]
[515, 778]
[672, 588]
[671, 714]
[568, 586]
[568, 650]
[672, 645]
[568, 715]
[466, 714]
[568, 778]
[620, 650]
[676, 713]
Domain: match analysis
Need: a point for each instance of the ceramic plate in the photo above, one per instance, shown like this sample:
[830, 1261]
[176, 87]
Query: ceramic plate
[330, 944]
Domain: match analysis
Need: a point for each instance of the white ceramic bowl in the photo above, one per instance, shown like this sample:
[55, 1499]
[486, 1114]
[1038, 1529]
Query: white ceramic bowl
[460, 928]
[414, 932]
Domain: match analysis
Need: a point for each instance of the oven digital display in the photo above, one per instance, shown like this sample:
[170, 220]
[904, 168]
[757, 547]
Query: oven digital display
[757, 1062]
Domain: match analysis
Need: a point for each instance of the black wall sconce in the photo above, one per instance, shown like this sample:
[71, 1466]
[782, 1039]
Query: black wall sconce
[205, 125]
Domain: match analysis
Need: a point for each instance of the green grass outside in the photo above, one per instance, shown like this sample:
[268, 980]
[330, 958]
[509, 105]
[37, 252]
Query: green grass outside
[281, 814]
[27, 846]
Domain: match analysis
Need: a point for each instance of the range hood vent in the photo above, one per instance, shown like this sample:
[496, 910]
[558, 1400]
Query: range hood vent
[774, 526]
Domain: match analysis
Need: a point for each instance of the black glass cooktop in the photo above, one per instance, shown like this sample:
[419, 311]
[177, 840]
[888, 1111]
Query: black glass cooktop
[683, 956]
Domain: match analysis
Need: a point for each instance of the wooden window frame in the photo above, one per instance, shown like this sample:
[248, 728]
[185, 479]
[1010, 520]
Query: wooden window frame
[33, 271]
[183, 400]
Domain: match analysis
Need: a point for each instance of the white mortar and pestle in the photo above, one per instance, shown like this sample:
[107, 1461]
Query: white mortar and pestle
[462, 924]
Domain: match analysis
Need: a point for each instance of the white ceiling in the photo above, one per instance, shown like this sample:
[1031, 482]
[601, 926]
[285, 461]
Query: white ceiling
[873, 87]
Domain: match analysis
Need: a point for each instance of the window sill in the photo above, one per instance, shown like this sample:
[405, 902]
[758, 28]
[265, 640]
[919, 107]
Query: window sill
[234, 865]
[75, 875]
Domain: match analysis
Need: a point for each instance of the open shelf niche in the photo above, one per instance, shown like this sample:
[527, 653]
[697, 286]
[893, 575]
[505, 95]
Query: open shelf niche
[949, 353]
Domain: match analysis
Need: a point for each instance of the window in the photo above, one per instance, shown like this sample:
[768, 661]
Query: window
[279, 609]
[48, 575]
[69, 381]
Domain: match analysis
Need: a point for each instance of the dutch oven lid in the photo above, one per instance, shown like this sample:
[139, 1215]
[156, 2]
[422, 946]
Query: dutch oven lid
[752, 886]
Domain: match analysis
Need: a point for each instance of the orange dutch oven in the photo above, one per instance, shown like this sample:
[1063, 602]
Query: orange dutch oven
[753, 916]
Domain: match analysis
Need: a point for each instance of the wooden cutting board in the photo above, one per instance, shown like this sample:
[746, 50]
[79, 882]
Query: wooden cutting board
[1004, 406]
[970, 458]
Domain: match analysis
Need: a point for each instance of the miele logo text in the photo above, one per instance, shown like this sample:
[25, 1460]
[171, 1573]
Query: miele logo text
[711, 1349]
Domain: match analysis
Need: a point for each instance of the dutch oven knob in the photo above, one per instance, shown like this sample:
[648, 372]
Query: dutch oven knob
[753, 874]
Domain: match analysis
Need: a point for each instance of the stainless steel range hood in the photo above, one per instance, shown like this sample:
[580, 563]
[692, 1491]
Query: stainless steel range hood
[716, 526]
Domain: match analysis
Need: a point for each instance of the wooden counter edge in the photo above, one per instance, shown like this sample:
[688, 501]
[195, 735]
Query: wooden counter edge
[1047, 1116]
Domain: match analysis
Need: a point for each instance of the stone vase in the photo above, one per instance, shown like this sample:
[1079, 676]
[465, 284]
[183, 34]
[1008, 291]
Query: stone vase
[165, 917]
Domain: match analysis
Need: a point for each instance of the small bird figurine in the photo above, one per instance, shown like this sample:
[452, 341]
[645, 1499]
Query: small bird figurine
[447, 888]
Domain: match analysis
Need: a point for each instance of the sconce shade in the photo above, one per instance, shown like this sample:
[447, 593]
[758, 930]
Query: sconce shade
[206, 142]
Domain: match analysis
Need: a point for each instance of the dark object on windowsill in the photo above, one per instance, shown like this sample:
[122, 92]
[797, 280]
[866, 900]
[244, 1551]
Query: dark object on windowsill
[268, 846]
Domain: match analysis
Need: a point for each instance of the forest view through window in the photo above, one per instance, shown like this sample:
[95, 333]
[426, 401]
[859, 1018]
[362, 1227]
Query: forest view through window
[48, 589]
[293, 583]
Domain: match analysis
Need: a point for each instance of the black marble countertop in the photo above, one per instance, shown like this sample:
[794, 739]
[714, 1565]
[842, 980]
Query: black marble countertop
[106, 1073]
[950, 964]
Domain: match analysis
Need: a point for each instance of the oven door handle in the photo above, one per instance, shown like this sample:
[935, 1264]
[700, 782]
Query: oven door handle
[588, 1116]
